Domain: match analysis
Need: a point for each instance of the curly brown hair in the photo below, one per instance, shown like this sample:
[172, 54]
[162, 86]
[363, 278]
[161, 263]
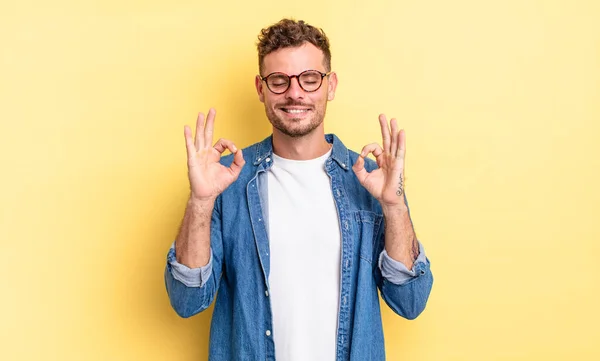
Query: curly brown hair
[289, 33]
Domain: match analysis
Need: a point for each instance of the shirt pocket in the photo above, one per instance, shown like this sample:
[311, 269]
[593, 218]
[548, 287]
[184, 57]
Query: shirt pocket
[367, 226]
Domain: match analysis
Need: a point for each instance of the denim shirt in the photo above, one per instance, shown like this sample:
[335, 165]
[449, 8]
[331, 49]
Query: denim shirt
[238, 269]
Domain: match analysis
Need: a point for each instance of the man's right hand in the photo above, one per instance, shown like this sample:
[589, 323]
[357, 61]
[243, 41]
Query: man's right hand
[208, 178]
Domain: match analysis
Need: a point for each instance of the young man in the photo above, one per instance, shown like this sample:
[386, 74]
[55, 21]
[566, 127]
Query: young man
[296, 233]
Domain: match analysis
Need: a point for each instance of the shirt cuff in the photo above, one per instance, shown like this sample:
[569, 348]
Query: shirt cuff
[191, 277]
[395, 271]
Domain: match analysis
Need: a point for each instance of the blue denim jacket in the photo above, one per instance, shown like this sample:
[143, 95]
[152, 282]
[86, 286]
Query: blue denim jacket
[239, 266]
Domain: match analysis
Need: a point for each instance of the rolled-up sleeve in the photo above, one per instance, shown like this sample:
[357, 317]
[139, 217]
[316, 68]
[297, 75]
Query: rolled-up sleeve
[396, 272]
[191, 277]
[405, 291]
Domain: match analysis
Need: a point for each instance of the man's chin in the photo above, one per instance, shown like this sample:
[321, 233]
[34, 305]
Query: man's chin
[294, 132]
[292, 126]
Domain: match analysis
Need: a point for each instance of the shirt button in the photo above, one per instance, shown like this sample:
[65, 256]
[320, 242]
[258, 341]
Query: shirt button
[268, 333]
[343, 165]
[268, 159]
[267, 293]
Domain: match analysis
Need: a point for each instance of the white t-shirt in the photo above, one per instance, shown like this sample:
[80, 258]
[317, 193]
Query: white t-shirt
[305, 246]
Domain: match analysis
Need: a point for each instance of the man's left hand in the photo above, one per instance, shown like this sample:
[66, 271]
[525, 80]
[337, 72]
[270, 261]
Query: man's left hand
[386, 183]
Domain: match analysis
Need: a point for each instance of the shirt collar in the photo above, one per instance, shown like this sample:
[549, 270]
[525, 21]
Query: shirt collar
[339, 152]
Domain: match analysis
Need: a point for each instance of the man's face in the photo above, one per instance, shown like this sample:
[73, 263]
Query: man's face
[296, 112]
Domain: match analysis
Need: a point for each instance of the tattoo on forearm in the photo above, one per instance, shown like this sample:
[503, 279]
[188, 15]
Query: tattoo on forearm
[400, 190]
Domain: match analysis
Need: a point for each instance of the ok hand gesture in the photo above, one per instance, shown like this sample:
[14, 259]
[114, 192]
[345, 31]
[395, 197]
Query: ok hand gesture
[208, 178]
[386, 183]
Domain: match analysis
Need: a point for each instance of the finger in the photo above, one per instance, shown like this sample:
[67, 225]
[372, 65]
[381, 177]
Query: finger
[371, 148]
[238, 163]
[223, 144]
[199, 131]
[209, 128]
[385, 132]
[394, 145]
[189, 141]
[401, 144]
[359, 169]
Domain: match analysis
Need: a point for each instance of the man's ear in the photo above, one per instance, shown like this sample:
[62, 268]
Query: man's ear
[259, 88]
[331, 86]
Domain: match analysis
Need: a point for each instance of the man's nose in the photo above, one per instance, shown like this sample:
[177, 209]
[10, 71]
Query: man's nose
[294, 91]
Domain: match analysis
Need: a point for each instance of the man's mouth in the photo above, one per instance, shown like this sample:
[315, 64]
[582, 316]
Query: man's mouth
[295, 110]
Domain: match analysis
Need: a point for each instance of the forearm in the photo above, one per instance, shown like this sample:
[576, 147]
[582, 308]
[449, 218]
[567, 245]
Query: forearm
[191, 262]
[192, 245]
[400, 239]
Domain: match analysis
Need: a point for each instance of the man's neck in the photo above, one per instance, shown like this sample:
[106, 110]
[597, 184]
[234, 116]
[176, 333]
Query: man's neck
[307, 147]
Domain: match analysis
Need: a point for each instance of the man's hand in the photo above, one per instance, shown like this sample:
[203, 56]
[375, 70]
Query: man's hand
[208, 178]
[386, 183]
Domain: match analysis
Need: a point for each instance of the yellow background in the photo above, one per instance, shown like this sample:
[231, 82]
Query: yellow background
[500, 101]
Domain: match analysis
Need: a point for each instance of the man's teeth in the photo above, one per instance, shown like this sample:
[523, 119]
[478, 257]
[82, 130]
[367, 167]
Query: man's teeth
[295, 111]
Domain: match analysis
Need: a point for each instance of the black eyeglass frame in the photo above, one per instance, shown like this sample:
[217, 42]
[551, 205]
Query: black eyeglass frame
[323, 75]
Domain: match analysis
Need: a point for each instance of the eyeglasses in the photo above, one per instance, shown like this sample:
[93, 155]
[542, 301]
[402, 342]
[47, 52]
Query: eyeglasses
[309, 81]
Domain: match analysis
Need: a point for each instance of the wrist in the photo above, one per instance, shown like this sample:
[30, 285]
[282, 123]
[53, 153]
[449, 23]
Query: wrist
[394, 209]
[201, 203]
